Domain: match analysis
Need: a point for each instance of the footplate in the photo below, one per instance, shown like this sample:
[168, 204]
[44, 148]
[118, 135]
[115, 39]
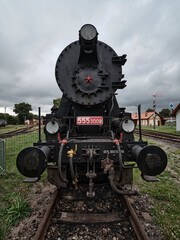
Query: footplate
[149, 178]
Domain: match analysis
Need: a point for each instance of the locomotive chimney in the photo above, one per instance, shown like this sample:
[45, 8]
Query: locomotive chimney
[88, 35]
[88, 41]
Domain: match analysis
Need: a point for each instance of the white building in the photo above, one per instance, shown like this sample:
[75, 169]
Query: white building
[176, 112]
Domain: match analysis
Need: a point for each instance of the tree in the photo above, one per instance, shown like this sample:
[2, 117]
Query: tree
[149, 110]
[56, 102]
[2, 115]
[23, 111]
[165, 112]
[10, 119]
[31, 116]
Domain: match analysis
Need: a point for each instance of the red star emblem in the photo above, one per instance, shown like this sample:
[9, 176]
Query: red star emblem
[88, 79]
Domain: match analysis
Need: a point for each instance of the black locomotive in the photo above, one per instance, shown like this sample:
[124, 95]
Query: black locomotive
[89, 139]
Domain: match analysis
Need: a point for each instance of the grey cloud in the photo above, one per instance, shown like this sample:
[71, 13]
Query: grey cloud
[33, 33]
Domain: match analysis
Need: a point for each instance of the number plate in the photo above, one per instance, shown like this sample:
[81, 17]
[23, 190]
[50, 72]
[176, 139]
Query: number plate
[89, 120]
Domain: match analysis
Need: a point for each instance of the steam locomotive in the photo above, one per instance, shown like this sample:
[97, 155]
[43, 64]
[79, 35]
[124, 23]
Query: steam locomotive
[89, 138]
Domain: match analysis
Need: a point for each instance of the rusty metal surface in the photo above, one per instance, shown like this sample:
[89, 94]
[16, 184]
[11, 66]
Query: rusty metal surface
[42, 229]
[138, 228]
[89, 218]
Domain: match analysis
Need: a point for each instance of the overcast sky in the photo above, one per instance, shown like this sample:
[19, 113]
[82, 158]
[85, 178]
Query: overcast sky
[34, 32]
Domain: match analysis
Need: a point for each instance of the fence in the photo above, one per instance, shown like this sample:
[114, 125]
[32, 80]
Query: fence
[2, 156]
[16, 143]
[11, 146]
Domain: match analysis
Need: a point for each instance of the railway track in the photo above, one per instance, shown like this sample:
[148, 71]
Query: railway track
[160, 135]
[16, 132]
[107, 216]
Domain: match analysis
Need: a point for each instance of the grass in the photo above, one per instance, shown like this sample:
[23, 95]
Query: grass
[166, 195]
[166, 128]
[13, 195]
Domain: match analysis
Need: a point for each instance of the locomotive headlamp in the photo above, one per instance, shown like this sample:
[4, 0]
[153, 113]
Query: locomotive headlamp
[52, 126]
[88, 32]
[128, 125]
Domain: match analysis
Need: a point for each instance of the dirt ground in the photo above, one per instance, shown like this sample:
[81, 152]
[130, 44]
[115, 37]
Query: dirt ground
[39, 199]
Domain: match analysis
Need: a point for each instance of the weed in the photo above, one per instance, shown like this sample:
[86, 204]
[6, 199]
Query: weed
[18, 210]
[12, 212]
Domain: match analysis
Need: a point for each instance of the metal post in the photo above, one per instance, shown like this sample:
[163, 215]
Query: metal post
[39, 124]
[5, 113]
[2, 156]
[139, 116]
[171, 117]
[154, 109]
[154, 106]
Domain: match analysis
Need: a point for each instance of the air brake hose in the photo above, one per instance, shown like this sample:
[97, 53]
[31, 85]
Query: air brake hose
[71, 167]
[120, 161]
[113, 185]
[70, 155]
[60, 163]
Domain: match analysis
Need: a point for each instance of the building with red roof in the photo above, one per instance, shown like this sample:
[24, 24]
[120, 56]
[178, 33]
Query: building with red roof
[147, 119]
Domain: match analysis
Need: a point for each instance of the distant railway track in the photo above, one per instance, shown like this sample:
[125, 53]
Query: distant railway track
[160, 135]
[16, 132]
[75, 209]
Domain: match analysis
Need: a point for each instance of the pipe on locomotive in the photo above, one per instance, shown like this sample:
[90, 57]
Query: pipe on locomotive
[60, 164]
[121, 165]
[113, 184]
[70, 155]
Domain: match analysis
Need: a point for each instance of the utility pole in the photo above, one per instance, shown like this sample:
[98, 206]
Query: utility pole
[5, 112]
[154, 106]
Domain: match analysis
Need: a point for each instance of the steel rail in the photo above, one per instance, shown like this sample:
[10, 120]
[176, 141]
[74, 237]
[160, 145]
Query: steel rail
[160, 135]
[15, 132]
[137, 226]
[43, 227]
